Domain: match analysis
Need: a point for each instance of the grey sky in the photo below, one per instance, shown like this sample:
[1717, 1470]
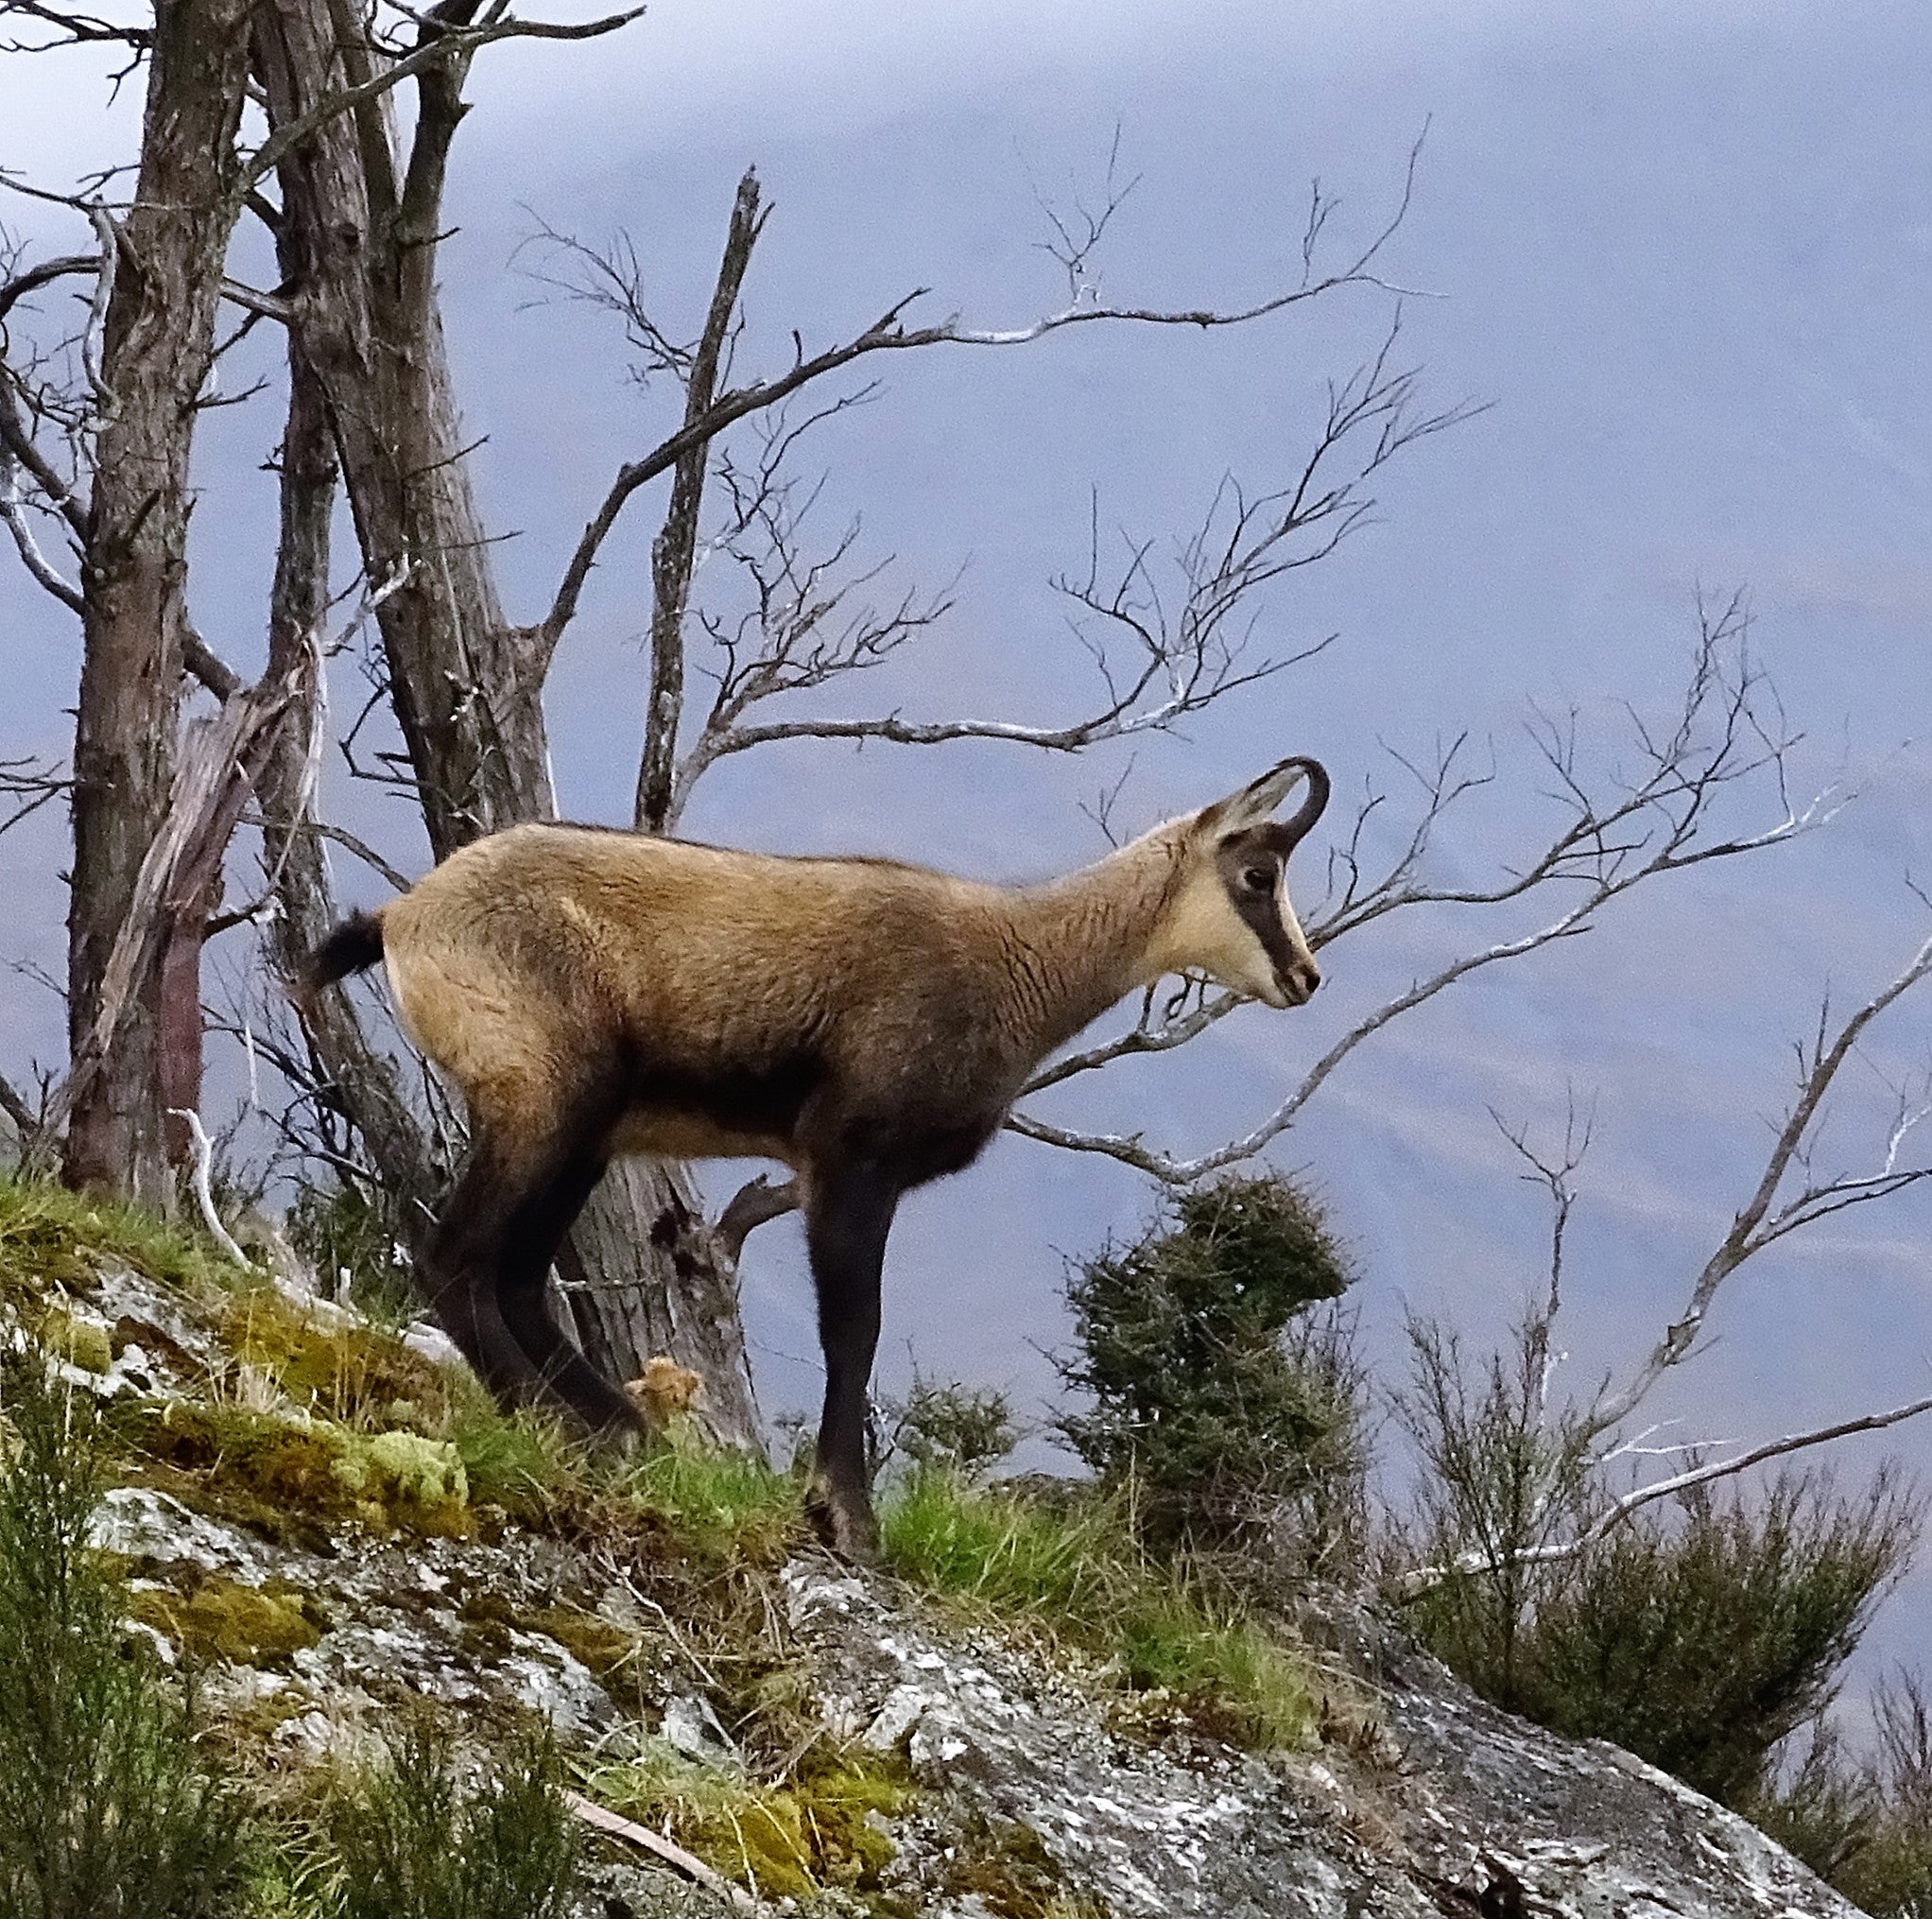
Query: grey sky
[1686, 253]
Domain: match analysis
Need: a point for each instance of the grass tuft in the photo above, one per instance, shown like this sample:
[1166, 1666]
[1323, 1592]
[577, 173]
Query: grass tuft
[1079, 1575]
[48, 1233]
[722, 1504]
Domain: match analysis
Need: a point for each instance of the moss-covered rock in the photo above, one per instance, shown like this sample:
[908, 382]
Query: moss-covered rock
[332, 1363]
[79, 1340]
[283, 1473]
[226, 1619]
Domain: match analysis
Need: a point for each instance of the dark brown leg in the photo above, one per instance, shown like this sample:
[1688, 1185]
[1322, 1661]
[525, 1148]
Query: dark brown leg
[460, 1273]
[536, 1230]
[847, 1217]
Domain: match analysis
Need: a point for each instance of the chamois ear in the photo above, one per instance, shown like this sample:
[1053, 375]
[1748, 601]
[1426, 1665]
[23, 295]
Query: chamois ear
[1255, 802]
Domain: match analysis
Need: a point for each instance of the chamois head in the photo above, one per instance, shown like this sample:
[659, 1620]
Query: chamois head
[1230, 916]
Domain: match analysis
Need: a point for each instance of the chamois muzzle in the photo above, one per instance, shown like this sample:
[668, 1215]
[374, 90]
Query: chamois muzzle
[1298, 981]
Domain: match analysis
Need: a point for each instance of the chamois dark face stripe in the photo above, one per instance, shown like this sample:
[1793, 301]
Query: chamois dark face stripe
[1260, 910]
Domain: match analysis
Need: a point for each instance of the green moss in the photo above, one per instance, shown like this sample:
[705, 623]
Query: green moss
[821, 1830]
[588, 1637]
[78, 1341]
[221, 1618]
[405, 1471]
[276, 1472]
[354, 1374]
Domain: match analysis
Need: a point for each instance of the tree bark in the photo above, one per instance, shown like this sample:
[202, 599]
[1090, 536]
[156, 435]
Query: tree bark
[467, 685]
[157, 343]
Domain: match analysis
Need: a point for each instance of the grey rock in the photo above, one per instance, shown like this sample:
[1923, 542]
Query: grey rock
[1450, 1808]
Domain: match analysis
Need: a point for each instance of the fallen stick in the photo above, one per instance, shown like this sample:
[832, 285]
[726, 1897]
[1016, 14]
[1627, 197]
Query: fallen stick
[660, 1847]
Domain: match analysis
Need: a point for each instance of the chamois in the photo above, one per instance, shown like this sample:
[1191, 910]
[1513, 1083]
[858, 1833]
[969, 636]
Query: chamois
[594, 992]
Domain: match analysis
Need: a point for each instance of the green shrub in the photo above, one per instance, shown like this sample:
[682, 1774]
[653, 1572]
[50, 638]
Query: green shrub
[108, 1808]
[1701, 1640]
[940, 1423]
[1213, 1392]
[1505, 1480]
[406, 1840]
[1865, 1824]
[1699, 1636]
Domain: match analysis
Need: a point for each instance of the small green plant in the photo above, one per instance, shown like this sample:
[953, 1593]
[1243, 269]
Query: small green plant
[1505, 1480]
[108, 1806]
[718, 1502]
[940, 1423]
[406, 1840]
[1236, 1421]
[354, 1246]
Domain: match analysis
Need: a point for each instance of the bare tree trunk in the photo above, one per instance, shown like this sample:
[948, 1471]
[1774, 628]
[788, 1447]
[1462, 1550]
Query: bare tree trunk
[155, 351]
[467, 686]
[622, 1313]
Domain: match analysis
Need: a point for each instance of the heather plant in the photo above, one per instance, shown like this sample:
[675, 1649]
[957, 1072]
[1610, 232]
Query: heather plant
[109, 1808]
[407, 1839]
[1700, 1631]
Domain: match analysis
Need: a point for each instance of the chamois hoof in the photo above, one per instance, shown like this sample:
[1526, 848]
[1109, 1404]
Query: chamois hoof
[846, 1528]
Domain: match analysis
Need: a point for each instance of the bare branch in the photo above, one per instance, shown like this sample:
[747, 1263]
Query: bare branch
[1614, 835]
[442, 44]
[890, 333]
[748, 1208]
[1763, 1219]
[675, 548]
[1421, 1579]
[204, 1197]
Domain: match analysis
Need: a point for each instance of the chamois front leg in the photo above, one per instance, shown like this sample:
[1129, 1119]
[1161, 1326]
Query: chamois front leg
[848, 1216]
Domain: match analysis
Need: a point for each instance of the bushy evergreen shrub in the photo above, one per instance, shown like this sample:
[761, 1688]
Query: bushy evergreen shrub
[1216, 1394]
[108, 1809]
[1701, 1639]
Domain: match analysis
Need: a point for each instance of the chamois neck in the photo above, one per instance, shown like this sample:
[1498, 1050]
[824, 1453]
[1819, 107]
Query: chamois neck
[1084, 938]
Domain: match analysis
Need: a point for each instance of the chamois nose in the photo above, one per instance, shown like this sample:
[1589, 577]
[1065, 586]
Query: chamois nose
[1301, 979]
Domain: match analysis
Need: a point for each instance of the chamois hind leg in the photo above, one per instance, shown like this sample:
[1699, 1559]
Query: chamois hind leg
[848, 1215]
[536, 1229]
[461, 1266]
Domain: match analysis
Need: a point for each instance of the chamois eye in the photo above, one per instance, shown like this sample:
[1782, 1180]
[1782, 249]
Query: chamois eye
[1259, 879]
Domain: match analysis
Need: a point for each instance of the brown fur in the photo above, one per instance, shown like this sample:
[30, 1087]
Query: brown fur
[870, 1024]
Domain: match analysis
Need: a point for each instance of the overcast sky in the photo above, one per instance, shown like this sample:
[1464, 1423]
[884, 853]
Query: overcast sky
[1683, 253]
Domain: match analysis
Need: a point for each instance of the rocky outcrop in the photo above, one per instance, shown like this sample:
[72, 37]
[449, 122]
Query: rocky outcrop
[1026, 1787]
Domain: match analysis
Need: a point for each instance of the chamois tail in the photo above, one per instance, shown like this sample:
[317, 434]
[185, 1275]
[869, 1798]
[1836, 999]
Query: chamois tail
[356, 944]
